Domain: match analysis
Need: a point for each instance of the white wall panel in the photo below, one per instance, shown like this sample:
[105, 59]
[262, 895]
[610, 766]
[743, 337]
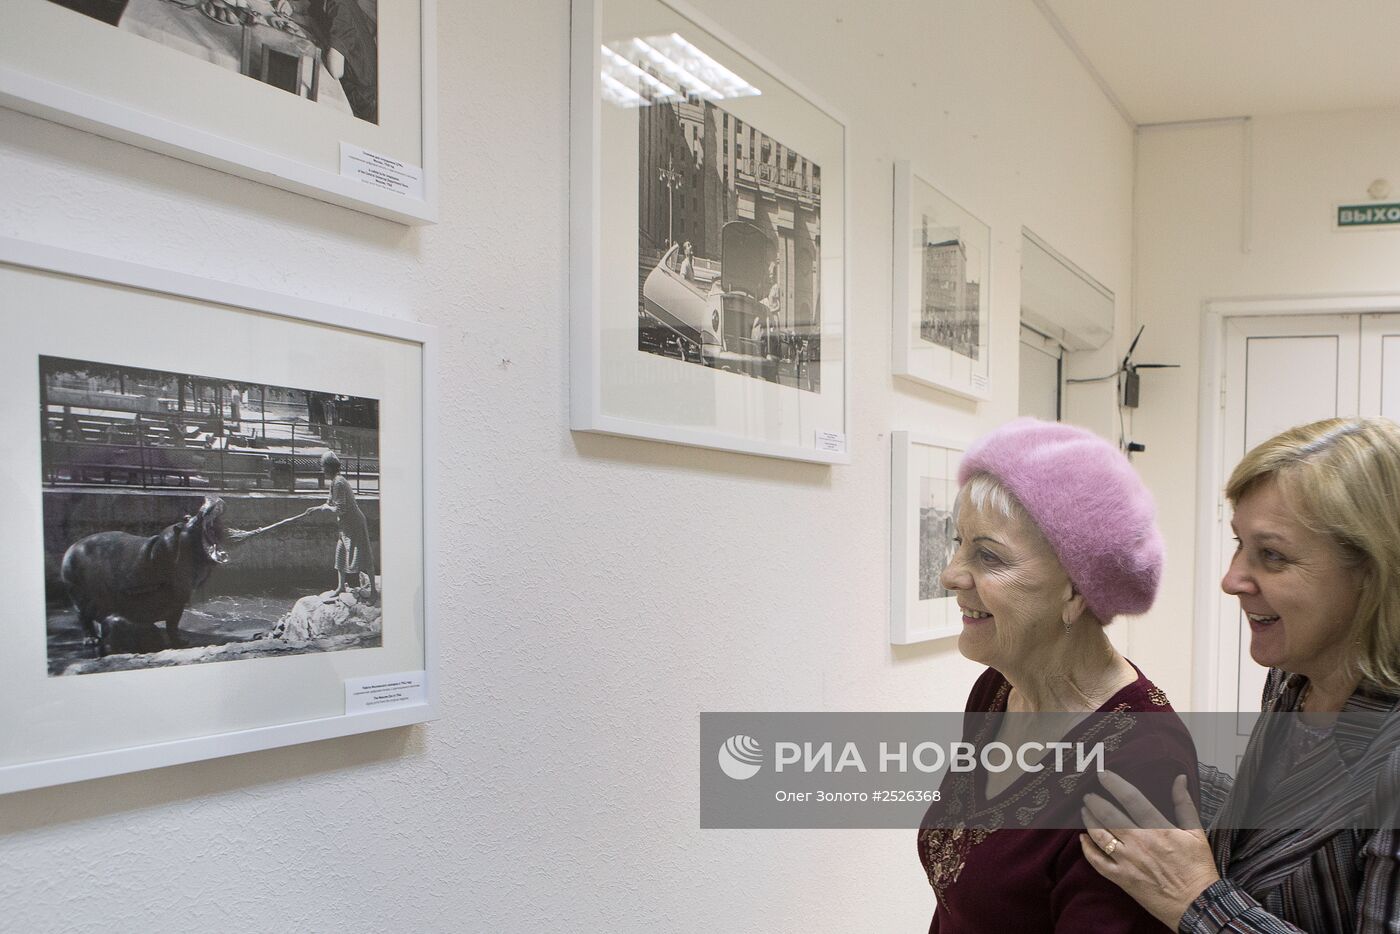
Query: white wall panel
[598, 592]
[1236, 211]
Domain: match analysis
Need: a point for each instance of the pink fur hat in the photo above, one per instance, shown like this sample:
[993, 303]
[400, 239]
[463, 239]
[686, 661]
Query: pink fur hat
[1087, 500]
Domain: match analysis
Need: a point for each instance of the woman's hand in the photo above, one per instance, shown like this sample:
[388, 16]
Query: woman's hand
[1163, 867]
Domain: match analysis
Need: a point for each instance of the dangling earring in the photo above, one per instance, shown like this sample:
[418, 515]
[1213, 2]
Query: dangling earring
[1069, 627]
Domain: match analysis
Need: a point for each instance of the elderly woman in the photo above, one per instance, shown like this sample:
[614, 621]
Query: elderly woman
[1055, 538]
[1317, 571]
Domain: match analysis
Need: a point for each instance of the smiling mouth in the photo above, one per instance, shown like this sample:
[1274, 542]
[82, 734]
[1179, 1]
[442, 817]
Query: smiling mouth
[974, 614]
[1258, 621]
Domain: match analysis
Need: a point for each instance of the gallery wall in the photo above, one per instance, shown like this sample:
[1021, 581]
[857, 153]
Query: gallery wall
[597, 593]
[1235, 210]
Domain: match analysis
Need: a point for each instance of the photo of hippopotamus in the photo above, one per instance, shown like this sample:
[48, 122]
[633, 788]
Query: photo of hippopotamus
[115, 576]
[191, 519]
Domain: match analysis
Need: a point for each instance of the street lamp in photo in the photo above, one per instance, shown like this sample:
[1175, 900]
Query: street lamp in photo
[671, 179]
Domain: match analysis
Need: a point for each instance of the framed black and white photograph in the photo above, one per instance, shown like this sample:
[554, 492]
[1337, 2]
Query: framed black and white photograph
[941, 300]
[708, 274]
[329, 98]
[219, 512]
[923, 491]
[175, 497]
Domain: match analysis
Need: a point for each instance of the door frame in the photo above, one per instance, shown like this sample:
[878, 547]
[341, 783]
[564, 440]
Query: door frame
[1045, 342]
[1210, 445]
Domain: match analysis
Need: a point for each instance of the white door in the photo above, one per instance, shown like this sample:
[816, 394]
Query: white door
[1380, 355]
[1039, 389]
[1279, 372]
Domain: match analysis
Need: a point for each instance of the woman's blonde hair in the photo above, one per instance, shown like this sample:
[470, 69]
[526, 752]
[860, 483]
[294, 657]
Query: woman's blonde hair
[1342, 478]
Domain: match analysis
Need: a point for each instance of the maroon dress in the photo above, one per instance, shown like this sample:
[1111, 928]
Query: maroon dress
[1036, 881]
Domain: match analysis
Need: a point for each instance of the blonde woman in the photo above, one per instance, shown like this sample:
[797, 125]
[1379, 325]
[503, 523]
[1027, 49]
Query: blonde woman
[1317, 573]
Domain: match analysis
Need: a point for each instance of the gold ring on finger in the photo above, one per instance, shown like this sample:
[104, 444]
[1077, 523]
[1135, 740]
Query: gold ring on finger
[1113, 844]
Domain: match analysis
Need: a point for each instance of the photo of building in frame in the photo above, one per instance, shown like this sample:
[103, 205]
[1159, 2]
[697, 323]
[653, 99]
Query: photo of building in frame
[729, 244]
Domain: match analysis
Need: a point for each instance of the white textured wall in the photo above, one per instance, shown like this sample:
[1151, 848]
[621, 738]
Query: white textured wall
[598, 593]
[1194, 246]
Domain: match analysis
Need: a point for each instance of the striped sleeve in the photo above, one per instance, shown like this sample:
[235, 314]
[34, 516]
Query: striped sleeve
[1380, 892]
[1225, 907]
[1379, 903]
[1215, 789]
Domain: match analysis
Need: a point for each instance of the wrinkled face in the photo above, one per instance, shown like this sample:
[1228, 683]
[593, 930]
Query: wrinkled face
[1296, 586]
[1009, 585]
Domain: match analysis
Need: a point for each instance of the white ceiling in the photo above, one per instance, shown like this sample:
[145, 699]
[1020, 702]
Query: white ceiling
[1170, 60]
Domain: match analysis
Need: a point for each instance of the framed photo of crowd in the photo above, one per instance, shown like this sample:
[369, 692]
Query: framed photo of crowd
[708, 272]
[334, 99]
[941, 298]
[923, 490]
[217, 532]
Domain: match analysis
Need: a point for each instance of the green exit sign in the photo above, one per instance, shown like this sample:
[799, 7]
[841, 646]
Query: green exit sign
[1368, 215]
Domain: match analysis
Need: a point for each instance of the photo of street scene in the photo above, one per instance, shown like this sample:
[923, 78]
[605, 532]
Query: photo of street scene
[936, 535]
[191, 519]
[729, 245]
[323, 50]
[951, 290]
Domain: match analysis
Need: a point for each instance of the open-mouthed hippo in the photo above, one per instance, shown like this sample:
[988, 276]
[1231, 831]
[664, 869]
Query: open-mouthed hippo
[143, 580]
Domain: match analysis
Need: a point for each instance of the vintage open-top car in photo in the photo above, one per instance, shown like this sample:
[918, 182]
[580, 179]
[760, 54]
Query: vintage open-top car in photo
[720, 320]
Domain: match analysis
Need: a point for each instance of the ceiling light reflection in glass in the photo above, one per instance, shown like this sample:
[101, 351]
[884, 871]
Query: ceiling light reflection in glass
[638, 72]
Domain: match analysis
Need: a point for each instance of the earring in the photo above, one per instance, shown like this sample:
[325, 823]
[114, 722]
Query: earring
[1069, 627]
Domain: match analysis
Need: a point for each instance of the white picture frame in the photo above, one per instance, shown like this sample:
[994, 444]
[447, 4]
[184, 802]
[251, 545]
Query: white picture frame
[174, 706]
[693, 351]
[164, 91]
[941, 329]
[923, 490]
